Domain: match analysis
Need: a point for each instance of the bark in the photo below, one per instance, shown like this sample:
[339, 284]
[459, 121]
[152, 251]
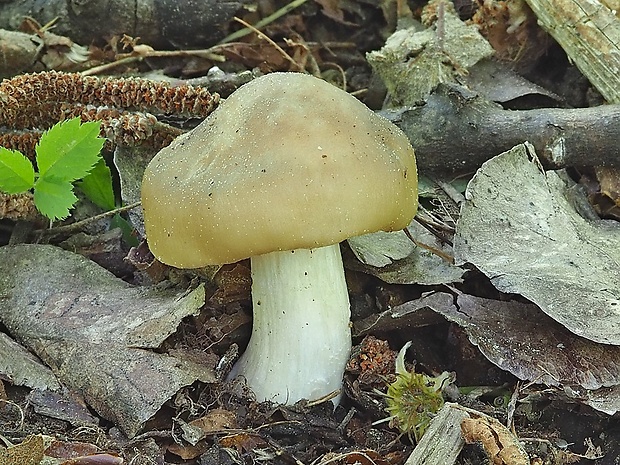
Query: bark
[443, 441]
[456, 131]
[589, 33]
[19, 52]
[160, 23]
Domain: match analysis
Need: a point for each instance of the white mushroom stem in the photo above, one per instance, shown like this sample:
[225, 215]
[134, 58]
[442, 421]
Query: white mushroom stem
[301, 338]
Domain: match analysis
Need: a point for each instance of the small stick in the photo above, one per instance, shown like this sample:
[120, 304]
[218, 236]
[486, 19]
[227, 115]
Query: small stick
[263, 22]
[268, 39]
[80, 224]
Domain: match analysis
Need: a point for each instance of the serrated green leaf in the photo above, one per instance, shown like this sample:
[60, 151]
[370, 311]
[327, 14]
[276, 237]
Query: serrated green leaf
[69, 150]
[97, 186]
[16, 172]
[54, 197]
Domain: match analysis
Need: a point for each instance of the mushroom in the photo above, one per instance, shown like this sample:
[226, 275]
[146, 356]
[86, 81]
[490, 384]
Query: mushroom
[282, 172]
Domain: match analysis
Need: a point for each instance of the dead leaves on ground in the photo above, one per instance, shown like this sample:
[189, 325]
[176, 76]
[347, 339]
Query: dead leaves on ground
[33, 449]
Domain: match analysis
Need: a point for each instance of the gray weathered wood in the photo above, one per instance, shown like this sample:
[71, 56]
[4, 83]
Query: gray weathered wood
[589, 33]
[443, 441]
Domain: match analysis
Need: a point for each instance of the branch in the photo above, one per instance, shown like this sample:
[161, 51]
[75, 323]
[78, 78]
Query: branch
[456, 131]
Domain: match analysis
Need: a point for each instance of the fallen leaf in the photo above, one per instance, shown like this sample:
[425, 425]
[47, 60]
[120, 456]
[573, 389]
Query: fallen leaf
[519, 228]
[98, 334]
[519, 338]
[243, 442]
[28, 452]
[394, 259]
[412, 64]
[95, 459]
[67, 449]
[215, 420]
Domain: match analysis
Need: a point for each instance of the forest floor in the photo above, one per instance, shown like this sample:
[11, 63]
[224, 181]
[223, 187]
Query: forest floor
[547, 411]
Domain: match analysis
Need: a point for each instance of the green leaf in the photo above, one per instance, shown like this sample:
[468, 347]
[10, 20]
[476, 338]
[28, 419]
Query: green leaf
[16, 172]
[54, 197]
[129, 232]
[97, 186]
[69, 150]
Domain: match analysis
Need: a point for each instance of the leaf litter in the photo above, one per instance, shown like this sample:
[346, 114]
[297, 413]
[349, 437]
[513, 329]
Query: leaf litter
[520, 229]
[98, 334]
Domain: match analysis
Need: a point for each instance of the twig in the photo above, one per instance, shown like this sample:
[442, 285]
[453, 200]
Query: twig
[262, 35]
[125, 59]
[78, 225]
[448, 258]
[263, 22]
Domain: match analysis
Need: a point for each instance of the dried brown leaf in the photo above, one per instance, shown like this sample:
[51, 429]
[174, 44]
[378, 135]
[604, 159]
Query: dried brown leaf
[216, 420]
[28, 452]
[501, 446]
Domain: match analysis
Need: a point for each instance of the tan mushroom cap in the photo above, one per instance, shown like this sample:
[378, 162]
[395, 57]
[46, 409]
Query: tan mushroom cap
[287, 162]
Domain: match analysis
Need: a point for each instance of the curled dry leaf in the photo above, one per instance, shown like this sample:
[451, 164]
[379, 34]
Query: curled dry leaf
[363, 457]
[501, 446]
[244, 441]
[70, 449]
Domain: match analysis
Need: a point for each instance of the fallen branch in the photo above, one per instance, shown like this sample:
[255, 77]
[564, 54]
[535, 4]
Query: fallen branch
[456, 131]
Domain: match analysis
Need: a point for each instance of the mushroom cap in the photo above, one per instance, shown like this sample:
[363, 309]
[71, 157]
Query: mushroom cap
[287, 162]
